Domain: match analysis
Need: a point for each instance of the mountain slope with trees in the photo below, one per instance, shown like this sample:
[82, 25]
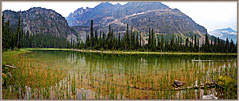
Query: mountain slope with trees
[141, 15]
[39, 20]
[15, 35]
[132, 40]
[144, 30]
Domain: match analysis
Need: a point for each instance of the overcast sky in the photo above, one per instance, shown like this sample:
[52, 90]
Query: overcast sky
[212, 15]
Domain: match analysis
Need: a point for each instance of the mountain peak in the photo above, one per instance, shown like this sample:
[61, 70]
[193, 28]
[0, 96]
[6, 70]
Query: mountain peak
[40, 20]
[104, 4]
[225, 33]
[37, 8]
[157, 5]
[118, 4]
[141, 15]
[229, 29]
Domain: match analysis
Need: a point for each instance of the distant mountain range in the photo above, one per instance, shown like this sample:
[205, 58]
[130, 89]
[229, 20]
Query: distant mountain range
[139, 15]
[225, 33]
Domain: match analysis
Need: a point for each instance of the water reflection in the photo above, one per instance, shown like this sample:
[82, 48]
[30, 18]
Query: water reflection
[132, 72]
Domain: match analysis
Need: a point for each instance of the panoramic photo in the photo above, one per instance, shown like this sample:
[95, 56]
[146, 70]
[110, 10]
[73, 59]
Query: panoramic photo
[119, 50]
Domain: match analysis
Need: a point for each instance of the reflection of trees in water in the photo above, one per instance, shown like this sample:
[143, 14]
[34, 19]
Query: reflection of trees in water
[72, 58]
[145, 63]
[151, 64]
[117, 69]
[137, 63]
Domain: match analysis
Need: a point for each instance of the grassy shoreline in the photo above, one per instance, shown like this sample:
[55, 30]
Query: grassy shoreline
[129, 52]
[105, 81]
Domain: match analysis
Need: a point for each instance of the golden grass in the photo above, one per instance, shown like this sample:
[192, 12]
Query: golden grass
[132, 52]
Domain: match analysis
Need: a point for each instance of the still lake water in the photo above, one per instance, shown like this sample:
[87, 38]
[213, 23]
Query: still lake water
[107, 76]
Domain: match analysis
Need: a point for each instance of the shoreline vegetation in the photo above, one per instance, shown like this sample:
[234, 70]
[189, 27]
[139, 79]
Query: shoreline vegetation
[125, 52]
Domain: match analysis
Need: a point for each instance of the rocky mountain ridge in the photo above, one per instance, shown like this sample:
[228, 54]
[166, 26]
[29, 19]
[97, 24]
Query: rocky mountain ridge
[39, 20]
[225, 33]
[140, 15]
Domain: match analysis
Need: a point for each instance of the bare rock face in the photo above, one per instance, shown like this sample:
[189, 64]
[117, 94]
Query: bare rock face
[140, 15]
[38, 20]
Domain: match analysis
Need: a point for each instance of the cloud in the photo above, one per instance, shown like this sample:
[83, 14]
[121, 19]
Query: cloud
[212, 15]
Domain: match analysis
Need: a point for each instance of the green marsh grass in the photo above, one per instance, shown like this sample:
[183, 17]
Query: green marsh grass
[111, 76]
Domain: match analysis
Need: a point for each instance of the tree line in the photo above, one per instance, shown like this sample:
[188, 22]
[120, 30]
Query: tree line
[15, 38]
[133, 40]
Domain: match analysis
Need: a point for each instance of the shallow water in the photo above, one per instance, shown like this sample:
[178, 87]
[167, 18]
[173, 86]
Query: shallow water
[105, 76]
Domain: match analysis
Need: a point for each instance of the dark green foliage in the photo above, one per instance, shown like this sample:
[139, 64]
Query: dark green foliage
[18, 39]
[162, 43]
[227, 46]
[119, 42]
[19, 32]
[91, 34]
[126, 39]
[132, 40]
[140, 41]
[45, 41]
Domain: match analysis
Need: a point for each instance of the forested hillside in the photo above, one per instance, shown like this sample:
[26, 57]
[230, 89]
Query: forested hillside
[147, 27]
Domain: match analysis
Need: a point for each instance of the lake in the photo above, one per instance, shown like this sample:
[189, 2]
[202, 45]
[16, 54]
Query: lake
[76, 75]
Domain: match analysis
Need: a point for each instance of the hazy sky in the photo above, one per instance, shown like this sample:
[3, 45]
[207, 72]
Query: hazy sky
[212, 15]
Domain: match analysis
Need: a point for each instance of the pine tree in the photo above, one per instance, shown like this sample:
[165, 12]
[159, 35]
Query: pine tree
[153, 43]
[87, 41]
[215, 44]
[171, 47]
[91, 34]
[140, 41]
[119, 42]
[195, 43]
[219, 45]
[137, 41]
[162, 43]
[96, 40]
[18, 32]
[6, 35]
[149, 39]
[206, 48]
[131, 39]
[127, 37]
[104, 41]
[227, 46]
[191, 45]
[232, 47]
[100, 40]
[186, 44]
[113, 40]
[198, 47]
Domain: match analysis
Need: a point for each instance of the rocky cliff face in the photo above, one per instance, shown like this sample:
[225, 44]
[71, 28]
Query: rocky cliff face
[38, 20]
[140, 15]
[75, 15]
